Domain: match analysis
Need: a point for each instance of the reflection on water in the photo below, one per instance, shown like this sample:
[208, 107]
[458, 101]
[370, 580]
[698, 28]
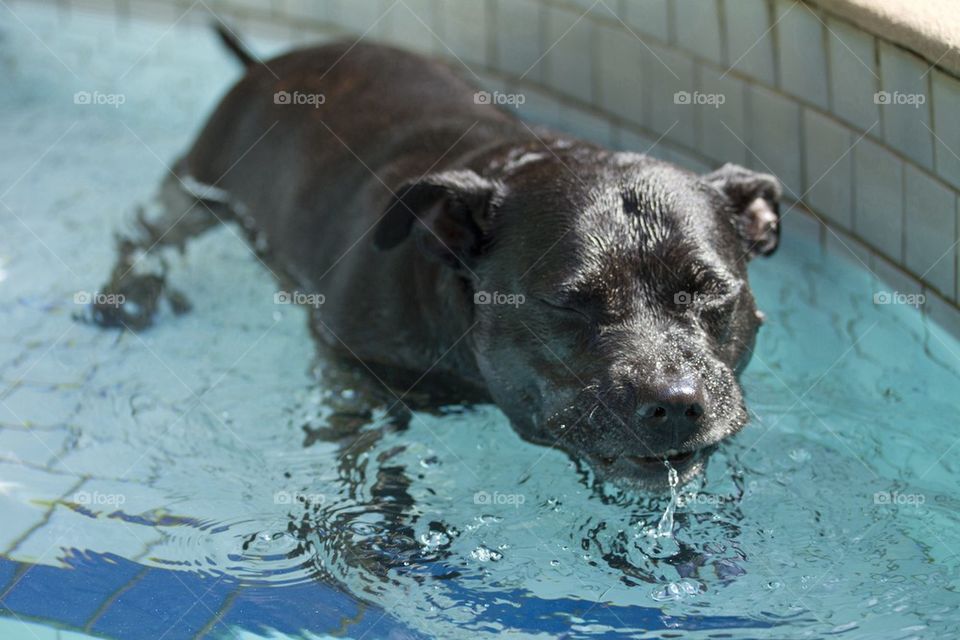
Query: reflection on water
[207, 453]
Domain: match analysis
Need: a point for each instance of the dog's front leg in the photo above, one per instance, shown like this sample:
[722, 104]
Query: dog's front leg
[181, 209]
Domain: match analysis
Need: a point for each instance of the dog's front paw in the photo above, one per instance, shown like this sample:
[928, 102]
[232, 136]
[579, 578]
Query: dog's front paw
[128, 302]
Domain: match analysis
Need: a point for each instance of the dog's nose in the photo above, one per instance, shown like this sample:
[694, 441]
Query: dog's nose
[675, 406]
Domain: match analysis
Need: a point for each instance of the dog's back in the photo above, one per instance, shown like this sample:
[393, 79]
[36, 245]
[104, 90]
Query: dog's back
[333, 130]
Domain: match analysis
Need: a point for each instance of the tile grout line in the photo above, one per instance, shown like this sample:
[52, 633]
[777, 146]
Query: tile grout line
[221, 612]
[113, 597]
[46, 519]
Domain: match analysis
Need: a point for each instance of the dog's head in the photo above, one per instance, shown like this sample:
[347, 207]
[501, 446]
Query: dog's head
[610, 294]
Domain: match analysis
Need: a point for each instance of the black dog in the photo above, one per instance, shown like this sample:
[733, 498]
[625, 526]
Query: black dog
[600, 298]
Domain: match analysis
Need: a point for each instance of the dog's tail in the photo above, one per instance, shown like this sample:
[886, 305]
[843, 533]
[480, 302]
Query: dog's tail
[233, 43]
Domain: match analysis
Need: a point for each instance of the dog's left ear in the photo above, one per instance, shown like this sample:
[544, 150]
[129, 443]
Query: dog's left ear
[449, 213]
[755, 201]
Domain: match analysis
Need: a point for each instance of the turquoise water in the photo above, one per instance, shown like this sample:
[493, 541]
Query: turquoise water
[164, 484]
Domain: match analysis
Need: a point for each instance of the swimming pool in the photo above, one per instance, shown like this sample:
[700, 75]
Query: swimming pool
[166, 484]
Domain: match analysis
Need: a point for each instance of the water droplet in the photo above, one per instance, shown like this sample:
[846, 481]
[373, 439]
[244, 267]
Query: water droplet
[675, 591]
[434, 540]
[483, 554]
[665, 526]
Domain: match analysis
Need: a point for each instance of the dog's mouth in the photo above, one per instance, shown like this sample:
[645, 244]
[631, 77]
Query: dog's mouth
[673, 458]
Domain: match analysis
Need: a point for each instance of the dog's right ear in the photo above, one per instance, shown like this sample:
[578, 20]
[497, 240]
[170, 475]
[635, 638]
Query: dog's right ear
[754, 199]
[448, 213]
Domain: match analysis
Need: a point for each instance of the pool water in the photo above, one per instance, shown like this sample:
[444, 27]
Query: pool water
[169, 484]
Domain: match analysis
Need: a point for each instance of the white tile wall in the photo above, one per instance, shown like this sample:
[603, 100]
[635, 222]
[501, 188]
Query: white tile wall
[568, 64]
[749, 39]
[372, 17]
[802, 55]
[517, 35]
[905, 125]
[798, 223]
[774, 140]
[943, 314]
[878, 176]
[893, 278]
[854, 78]
[594, 7]
[828, 168]
[687, 160]
[930, 233]
[697, 26]
[620, 57]
[630, 140]
[413, 26]
[306, 9]
[670, 72]
[946, 124]
[539, 107]
[586, 125]
[464, 30]
[647, 17]
[844, 245]
[723, 128]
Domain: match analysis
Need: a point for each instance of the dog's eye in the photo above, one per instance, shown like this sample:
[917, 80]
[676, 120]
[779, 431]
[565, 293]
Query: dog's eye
[713, 296]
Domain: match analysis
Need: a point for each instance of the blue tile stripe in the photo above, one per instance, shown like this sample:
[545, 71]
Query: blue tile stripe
[112, 597]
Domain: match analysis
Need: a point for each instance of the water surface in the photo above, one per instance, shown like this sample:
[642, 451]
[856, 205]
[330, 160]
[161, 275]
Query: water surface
[167, 483]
